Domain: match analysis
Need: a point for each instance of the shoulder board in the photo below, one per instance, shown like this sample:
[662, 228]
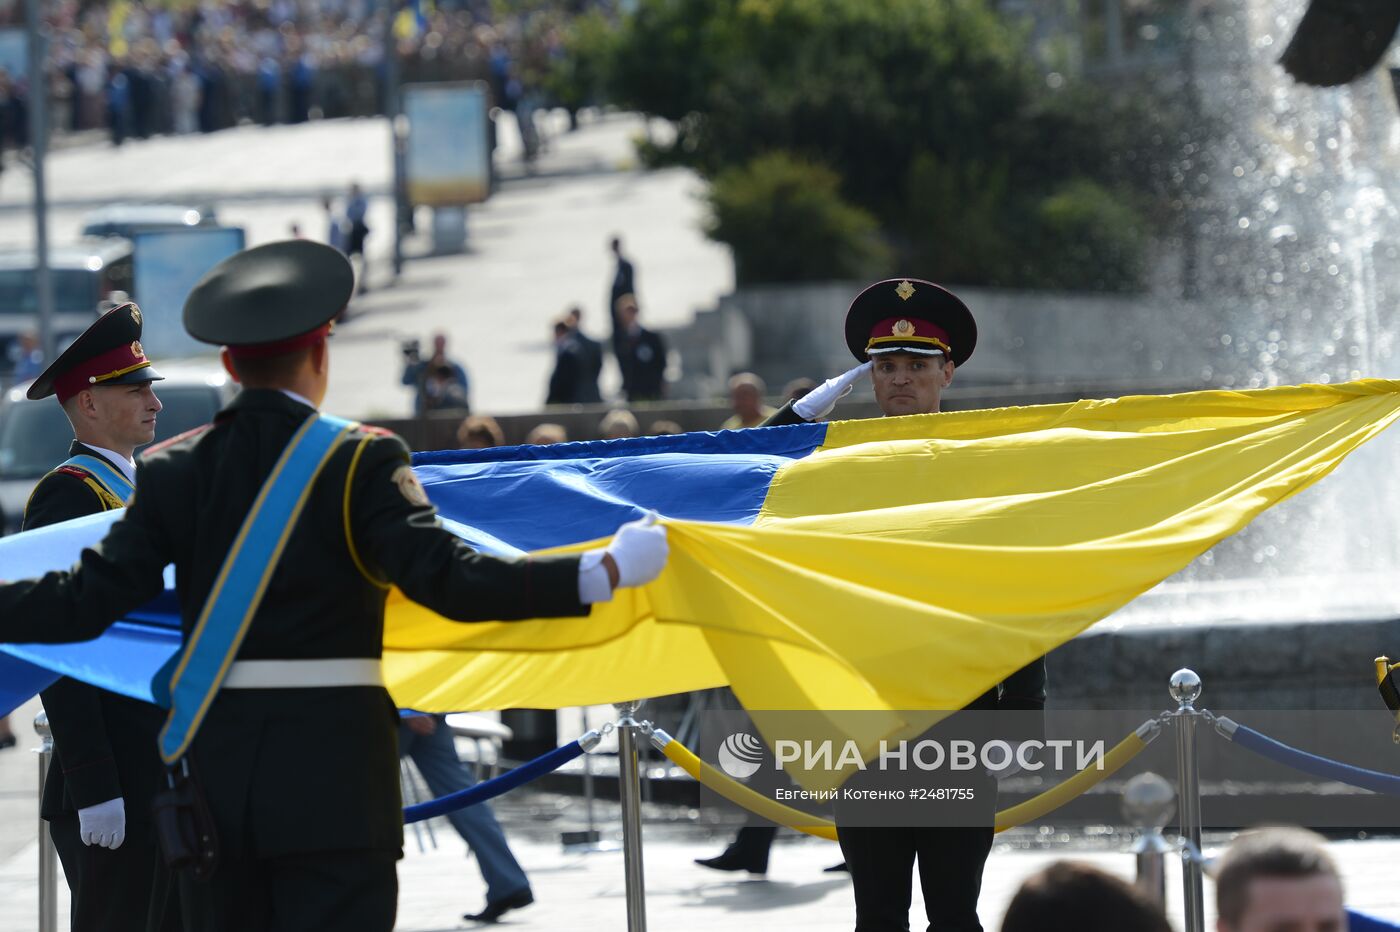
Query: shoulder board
[377, 431]
[176, 439]
[73, 471]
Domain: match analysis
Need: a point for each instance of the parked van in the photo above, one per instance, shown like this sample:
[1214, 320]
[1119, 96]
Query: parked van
[83, 275]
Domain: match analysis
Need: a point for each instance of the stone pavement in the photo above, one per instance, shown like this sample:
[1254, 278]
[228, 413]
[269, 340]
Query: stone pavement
[536, 247]
[586, 891]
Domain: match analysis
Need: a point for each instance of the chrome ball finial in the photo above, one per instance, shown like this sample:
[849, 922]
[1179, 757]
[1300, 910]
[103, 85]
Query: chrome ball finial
[1149, 801]
[1185, 687]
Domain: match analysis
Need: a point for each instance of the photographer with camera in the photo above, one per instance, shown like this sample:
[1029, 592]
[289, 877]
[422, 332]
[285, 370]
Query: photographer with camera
[441, 383]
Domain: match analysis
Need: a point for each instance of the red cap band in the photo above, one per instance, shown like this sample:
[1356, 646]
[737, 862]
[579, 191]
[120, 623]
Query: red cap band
[281, 347]
[109, 365]
[908, 331]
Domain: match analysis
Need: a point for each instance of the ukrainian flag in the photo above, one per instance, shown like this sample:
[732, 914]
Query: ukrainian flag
[897, 563]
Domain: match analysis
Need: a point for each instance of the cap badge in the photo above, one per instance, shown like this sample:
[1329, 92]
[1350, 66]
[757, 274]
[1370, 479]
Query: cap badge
[136, 317]
[905, 290]
[136, 349]
[902, 328]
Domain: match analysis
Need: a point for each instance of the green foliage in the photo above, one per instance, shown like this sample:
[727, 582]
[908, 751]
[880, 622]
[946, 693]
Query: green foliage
[932, 121]
[956, 218]
[786, 221]
[581, 75]
[1087, 239]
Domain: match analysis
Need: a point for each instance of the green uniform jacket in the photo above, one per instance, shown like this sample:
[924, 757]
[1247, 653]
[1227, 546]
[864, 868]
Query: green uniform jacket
[290, 771]
[104, 744]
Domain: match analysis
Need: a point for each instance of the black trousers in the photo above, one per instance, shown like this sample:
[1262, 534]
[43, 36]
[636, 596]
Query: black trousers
[881, 861]
[126, 890]
[329, 891]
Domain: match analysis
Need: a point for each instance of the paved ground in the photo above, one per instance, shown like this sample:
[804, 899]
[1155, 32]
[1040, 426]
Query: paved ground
[537, 246]
[586, 891]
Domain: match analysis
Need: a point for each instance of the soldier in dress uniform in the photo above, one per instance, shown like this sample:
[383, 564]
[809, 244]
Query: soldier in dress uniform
[297, 751]
[912, 336]
[97, 796]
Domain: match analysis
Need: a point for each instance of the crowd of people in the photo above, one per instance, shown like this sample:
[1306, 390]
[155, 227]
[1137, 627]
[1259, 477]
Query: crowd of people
[140, 69]
[1279, 879]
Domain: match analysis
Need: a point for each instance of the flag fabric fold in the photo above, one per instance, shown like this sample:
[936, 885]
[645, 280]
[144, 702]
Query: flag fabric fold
[899, 563]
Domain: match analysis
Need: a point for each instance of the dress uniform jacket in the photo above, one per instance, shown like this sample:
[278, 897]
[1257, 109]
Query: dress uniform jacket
[104, 743]
[104, 748]
[289, 771]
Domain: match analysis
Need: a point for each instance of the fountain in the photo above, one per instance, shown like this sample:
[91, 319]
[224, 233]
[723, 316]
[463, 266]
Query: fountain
[1293, 261]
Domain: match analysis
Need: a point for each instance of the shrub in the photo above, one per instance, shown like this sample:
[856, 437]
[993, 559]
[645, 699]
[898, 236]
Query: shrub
[785, 220]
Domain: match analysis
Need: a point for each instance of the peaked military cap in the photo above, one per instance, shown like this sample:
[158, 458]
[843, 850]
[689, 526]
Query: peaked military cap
[910, 315]
[107, 353]
[270, 299]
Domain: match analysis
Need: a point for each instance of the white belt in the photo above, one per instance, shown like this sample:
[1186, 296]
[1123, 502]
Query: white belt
[302, 674]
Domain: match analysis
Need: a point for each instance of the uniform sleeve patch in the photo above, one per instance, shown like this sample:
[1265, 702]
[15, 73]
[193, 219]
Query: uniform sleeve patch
[409, 487]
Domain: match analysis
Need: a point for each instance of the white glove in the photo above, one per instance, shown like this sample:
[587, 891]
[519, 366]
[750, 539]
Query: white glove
[103, 825]
[640, 550]
[819, 401]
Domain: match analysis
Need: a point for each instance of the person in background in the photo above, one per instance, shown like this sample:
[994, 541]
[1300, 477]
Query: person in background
[7, 734]
[663, 428]
[28, 357]
[565, 380]
[624, 282]
[619, 423]
[590, 358]
[427, 740]
[1278, 880]
[430, 380]
[1069, 895]
[746, 392]
[356, 209]
[545, 434]
[335, 225]
[798, 388]
[641, 355]
[479, 432]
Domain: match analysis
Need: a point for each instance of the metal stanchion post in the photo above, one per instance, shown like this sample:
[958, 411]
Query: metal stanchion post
[629, 792]
[48, 856]
[1186, 689]
[592, 829]
[1148, 803]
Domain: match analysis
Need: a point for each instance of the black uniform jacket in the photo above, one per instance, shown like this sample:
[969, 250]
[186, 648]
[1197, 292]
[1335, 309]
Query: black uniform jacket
[104, 743]
[290, 770]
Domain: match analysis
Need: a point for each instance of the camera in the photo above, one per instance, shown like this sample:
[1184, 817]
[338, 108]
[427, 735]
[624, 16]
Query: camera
[410, 350]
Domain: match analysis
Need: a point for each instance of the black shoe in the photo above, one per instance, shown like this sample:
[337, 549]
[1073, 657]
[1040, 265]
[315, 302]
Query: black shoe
[732, 860]
[837, 869]
[494, 911]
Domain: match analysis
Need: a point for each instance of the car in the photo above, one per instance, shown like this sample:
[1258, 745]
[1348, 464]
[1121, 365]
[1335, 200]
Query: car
[126, 220]
[84, 275]
[34, 435]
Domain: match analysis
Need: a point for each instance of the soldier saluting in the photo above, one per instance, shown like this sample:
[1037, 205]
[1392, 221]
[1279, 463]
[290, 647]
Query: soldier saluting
[97, 797]
[912, 336]
[287, 527]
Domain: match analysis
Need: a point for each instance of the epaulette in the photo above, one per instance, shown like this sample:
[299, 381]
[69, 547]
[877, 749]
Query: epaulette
[176, 439]
[377, 431]
[73, 471]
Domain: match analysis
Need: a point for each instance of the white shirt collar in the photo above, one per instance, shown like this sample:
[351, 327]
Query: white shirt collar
[295, 397]
[125, 465]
